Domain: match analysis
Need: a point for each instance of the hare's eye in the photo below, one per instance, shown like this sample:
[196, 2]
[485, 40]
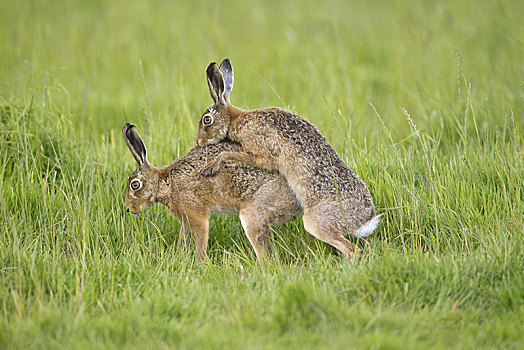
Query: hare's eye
[207, 119]
[135, 185]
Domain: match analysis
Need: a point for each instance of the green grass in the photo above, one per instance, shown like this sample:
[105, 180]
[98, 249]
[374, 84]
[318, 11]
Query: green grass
[428, 99]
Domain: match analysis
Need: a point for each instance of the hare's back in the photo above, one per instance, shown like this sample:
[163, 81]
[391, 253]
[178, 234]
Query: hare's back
[306, 157]
[234, 180]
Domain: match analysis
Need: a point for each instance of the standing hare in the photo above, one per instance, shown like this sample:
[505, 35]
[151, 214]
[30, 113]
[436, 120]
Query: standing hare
[336, 202]
[261, 198]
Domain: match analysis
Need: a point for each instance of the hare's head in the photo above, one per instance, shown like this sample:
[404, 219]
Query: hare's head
[141, 185]
[214, 123]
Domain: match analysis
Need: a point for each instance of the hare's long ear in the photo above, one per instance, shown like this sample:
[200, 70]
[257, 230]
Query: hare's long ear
[135, 144]
[227, 73]
[215, 80]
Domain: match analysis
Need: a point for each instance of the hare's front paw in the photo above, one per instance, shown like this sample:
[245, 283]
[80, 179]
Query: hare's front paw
[212, 168]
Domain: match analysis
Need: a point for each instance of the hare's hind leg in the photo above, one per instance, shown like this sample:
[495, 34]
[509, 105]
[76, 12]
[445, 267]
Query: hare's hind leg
[273, 204]
[256, 229]
[323, 222]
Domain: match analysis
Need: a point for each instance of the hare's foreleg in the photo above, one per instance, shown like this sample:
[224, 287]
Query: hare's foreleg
[244, 158]
[200, 228]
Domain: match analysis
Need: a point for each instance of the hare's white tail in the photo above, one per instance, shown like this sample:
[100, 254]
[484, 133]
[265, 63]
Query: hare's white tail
[368, 228]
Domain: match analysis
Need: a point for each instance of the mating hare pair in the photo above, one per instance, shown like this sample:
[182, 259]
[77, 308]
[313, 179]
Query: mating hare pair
[279, 157]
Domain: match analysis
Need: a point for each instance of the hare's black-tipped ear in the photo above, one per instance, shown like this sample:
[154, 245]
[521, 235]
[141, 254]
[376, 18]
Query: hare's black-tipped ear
[135, 144]
[216, 83]
[227, 73]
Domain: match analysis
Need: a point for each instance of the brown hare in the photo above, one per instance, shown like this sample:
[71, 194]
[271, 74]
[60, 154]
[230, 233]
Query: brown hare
[336, 202]
[261, 198]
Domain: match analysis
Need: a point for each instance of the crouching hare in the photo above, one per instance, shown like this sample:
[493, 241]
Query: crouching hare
[336, 202]
[261, 198]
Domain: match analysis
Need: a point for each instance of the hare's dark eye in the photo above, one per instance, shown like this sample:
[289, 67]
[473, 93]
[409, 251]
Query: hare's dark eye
[207, 119]
[135, 185]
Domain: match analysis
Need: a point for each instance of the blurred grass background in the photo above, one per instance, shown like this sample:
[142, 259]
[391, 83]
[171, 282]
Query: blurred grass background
[428, 96]
[103, 62]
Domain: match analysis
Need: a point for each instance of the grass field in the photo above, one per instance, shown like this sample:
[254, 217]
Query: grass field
[424, 100]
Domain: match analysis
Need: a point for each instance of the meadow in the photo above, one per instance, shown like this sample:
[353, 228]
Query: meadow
[424, 100]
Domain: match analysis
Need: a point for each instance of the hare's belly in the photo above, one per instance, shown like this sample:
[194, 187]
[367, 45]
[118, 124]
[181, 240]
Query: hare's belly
[223, 210]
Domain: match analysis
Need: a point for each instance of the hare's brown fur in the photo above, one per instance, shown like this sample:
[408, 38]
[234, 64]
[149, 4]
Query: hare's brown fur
[336, 201]
[261, 198]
